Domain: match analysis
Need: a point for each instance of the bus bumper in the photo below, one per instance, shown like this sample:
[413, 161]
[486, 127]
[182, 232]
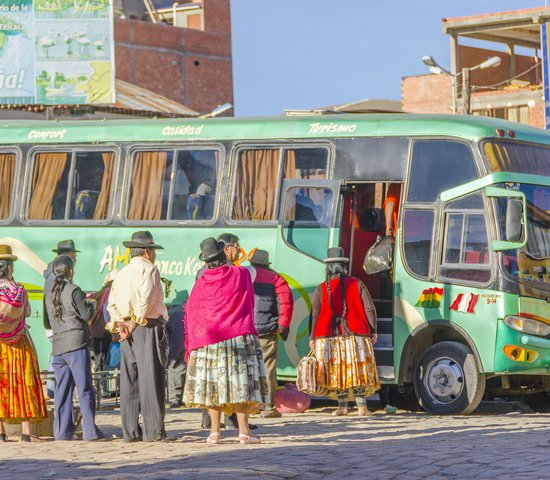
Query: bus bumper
[520, 353]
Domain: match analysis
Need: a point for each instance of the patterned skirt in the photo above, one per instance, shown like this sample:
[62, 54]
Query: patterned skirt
[347, 363]
[226, 374]
[21, 395]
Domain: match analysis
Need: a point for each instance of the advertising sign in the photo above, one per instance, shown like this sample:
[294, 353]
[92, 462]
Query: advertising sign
[545, 59]
[55, 52]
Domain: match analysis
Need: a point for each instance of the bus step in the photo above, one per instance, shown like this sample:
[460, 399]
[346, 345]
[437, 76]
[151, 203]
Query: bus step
[384, 326]
[385, 372]
[383, 355]
[384, 340]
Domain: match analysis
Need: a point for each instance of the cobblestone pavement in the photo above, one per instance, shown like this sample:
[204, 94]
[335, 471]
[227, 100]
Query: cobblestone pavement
[307, 446]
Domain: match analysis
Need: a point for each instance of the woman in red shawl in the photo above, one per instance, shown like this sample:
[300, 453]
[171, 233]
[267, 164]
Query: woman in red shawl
[225, 367]
[21, 396]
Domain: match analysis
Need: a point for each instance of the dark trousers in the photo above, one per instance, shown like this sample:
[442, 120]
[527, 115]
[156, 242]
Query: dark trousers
[176, 380]
[74, 369]
[270, 351]
[143, 359]
[101, 351]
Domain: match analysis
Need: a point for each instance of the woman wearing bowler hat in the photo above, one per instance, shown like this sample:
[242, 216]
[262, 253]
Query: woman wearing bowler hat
[21, 397]
[225, 369]
[343, 330]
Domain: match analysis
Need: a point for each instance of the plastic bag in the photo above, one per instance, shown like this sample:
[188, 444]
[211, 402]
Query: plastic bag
[289, 399]
[379, 256]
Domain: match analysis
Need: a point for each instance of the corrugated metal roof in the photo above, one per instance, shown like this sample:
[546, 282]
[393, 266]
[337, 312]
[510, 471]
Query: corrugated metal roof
[132, 97]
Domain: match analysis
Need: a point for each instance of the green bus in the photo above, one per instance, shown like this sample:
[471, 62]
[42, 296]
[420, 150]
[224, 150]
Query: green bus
[465, 310]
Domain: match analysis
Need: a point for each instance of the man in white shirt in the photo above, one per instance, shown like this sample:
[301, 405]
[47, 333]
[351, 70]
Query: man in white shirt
[138, 314]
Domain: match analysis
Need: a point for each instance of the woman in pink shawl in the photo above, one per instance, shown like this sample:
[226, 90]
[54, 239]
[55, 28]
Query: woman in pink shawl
[225, 367]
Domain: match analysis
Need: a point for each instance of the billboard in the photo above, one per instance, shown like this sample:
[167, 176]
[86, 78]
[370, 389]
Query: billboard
[55, 52]
[545, 37]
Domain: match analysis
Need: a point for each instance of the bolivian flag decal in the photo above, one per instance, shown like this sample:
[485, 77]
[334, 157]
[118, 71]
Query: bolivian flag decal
[430, 298]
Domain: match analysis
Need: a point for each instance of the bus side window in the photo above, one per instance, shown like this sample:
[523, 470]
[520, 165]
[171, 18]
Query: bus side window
[438, 165]
[7, 177]
[306, 163]
[465, 241]
[417, 240]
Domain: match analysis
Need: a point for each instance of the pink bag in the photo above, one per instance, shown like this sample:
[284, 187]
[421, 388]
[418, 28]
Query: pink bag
[289, 399]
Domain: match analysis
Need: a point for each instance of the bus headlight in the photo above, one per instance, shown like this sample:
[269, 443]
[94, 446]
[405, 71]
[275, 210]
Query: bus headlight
[528, 325]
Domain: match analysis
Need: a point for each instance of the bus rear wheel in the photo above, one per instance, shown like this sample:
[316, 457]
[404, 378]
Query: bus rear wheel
[447, 379]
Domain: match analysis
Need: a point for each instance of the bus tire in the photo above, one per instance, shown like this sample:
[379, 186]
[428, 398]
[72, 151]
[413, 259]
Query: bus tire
[447, 379]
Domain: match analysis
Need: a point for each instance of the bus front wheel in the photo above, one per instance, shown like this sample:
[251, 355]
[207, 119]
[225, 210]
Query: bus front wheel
[447, 379]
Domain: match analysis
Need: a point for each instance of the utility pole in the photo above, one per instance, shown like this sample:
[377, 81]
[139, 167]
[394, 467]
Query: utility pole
[466, 91]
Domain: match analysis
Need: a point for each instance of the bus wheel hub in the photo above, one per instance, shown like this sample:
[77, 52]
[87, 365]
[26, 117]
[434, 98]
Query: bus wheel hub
[444, 380]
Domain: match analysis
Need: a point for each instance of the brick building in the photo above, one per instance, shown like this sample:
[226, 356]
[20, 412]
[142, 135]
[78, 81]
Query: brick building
[189, 63]
[512, 90]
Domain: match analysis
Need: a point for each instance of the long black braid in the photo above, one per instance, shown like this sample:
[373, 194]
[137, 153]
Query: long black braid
[62, 266]
[333, 270]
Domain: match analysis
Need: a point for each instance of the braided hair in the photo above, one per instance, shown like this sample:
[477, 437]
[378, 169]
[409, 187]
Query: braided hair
[62, 267]
[4, 268]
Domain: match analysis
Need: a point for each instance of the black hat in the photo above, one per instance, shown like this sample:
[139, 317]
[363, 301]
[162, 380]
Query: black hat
[142, 239]
[336, 254]
[210, 249]
[259, 257]
[65, 246]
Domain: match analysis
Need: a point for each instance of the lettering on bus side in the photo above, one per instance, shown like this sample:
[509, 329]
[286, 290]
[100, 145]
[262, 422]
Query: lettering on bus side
[332, 128]
[182, 130]
[113, 259]
[47, 134]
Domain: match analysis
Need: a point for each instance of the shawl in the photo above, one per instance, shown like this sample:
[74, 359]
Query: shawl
[13, 301]
[220, 307]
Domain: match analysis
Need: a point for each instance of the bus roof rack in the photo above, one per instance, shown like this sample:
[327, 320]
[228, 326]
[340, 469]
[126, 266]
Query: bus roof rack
[359, 106]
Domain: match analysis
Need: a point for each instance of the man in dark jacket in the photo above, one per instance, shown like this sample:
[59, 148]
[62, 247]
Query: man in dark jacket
[176, 353]
[273, 305]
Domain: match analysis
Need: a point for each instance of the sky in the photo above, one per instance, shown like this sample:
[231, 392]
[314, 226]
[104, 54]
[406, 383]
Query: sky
[301, 54]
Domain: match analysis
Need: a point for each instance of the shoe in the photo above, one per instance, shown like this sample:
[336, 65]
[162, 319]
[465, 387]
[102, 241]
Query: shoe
[97, 439]
[340, 412]
[174, 405]
[274, 413]
[390, 409]
[133, 440]
[214, 437]
[3, 437]
[30, 438]
[249, 439]
[363, 412]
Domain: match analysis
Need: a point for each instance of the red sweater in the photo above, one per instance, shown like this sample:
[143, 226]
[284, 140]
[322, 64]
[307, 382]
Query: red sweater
[361, 315]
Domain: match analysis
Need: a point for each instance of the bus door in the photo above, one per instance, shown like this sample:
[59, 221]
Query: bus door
[362, 223]
[309, 221]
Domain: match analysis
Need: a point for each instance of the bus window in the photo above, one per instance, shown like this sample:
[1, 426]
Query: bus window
[256, 184]
[306, 163]
[417, 240]
[7, 176]
[173, 185]
[465, 241]
[71, 186]
[438, 165]
[307, 219]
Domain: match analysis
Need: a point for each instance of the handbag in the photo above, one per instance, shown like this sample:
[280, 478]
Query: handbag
[306, 378]
[379, 256]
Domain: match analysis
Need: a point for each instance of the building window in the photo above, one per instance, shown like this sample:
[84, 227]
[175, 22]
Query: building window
[518, 113]
[173, 185]
[71, 185]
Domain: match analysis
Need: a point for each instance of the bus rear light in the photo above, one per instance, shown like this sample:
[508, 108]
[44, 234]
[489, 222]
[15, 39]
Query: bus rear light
[519, 354]
[500, 132]
[511, 133]
[527, 325]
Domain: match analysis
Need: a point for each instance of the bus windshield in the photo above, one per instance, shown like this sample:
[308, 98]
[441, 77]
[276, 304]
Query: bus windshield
[532, 261]
[505, 156]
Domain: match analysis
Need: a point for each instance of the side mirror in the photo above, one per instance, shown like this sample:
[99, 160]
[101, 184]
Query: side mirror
[514, 216]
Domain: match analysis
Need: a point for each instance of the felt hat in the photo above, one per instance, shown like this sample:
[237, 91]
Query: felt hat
[210, 249]
[336, 254]
[142, 239]
[259, 257]
[65, 246]
[6, 253]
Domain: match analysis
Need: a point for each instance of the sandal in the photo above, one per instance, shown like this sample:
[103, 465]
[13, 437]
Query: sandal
[31, 438]
[363, 412]
[340, 412]
[248, 439]
[214, 437]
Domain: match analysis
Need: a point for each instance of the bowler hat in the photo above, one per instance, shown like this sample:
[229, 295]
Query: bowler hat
[259, 257]
[142, 239]
[210, 249]
[336, 254]
[65, 246]
[6, 254]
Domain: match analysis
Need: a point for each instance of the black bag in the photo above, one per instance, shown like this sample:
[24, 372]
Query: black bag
[379, 256]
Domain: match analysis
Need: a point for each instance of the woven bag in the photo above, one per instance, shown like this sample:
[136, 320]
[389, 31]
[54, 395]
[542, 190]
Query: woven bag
[306, 380]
